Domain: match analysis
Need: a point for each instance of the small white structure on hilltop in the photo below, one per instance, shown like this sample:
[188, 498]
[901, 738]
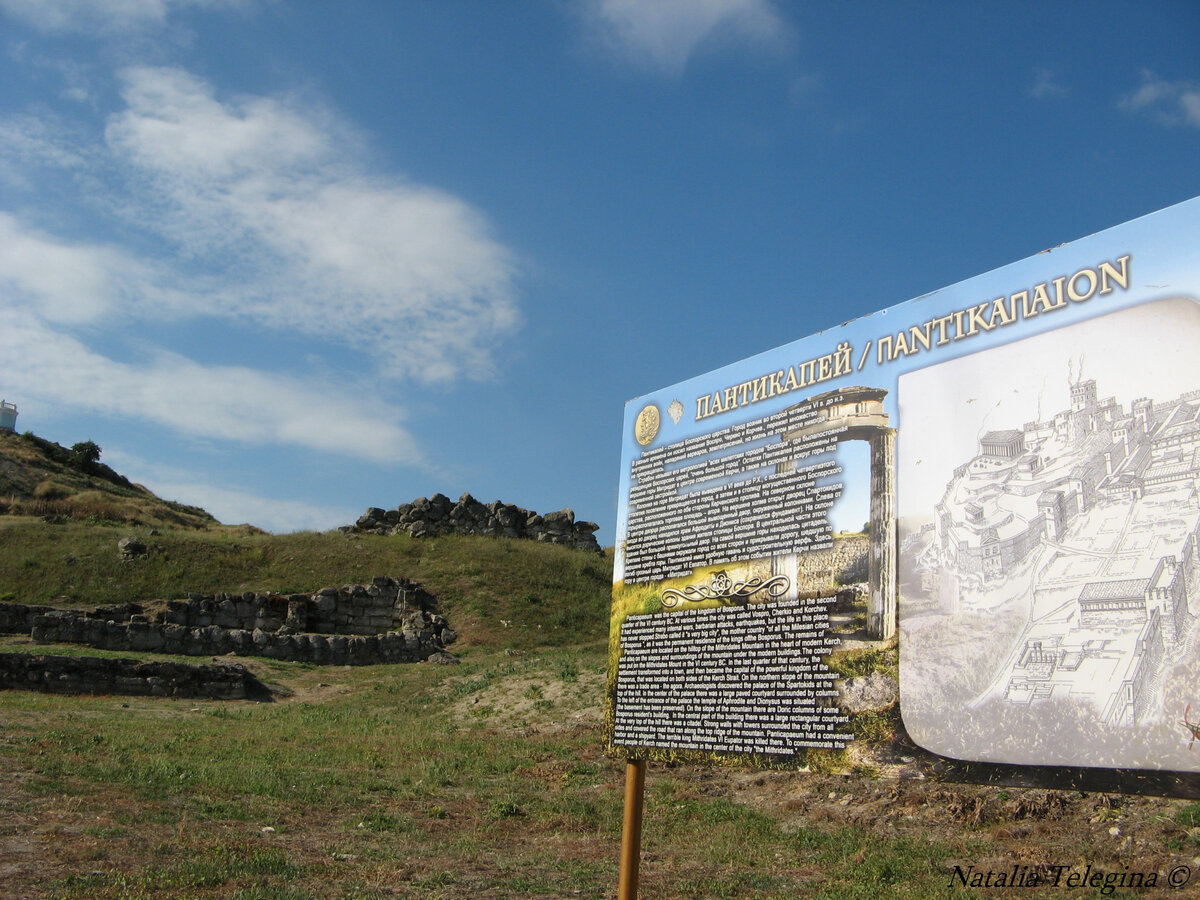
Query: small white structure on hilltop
[8, 416]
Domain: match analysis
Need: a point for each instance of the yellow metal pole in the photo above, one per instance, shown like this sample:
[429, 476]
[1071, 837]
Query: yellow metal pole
[631, 834]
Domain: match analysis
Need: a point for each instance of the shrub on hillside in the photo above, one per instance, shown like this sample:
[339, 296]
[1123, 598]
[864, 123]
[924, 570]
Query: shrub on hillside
[85, 455]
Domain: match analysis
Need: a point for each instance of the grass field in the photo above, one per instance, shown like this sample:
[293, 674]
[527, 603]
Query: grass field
[484, 779]
[510, 594]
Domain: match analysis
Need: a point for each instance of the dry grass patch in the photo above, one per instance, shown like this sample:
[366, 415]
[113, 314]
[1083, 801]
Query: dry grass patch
[520, 702]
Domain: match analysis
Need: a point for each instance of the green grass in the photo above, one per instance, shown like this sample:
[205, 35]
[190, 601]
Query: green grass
[212, 867]
[1189, 816]
[481, 582]
[375, 765]
[374, 784]
[856, 663]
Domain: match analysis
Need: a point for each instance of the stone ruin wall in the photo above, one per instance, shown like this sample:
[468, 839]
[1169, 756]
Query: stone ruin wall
[129, 677]
[356, 609]
[17, 618]
[438, 515]
[388, 621]
[845, 563]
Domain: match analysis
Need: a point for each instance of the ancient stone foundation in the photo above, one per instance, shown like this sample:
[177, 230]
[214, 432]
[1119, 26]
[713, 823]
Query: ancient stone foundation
[388, 621]
[152, 637]
[437, 515]
[105, 675]
[17, 618]
[846, 562]
[384, 605]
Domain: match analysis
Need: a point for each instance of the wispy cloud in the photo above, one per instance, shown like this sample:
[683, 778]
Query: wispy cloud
[666, 34]
[275, 515]
[76, 76]
[1046, 85]
[254, 211]
[29, 143]
[229, 505]
[232, 403]
[273, 194]
[103, 15]
[261, 211]
[1167, 102]
[66, 282]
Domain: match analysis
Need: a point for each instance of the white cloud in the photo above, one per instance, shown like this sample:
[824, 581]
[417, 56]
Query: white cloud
[263, 211]
[1046, 85]
[61, 281]
[250, 211]
[32, 142]
[232, 403]
[102, 15]
[665, 34]
[228, 505]
[1167, 102]
[319, 245]
[235, 507]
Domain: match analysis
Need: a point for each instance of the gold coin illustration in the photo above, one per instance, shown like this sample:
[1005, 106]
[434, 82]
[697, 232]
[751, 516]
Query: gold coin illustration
[645, 429]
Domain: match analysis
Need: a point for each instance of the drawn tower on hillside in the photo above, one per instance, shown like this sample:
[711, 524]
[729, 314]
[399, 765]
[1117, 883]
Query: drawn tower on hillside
[8, 416]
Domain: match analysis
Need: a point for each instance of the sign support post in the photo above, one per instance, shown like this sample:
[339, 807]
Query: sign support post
[631, 830]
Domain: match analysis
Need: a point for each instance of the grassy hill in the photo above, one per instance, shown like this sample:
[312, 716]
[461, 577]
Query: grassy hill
[495, 592]
[484, 779]
[41, 478]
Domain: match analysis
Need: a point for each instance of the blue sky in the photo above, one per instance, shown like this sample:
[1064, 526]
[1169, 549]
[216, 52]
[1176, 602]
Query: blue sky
[290, 260]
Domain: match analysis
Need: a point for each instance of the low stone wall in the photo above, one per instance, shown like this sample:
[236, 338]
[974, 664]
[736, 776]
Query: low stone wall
[97, 675]
[17, 618]
[388, 621]
[437, 515]
[68, 627]
[846, 562]
[386, 603]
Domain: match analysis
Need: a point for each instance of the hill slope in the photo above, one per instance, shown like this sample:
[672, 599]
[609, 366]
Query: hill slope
[496, 592]
[41, 478]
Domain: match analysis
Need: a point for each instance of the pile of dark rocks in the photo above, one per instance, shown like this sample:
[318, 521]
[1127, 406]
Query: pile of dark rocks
[438, 515]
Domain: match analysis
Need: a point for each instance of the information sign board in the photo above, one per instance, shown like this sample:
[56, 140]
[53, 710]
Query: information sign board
[1007, 470]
